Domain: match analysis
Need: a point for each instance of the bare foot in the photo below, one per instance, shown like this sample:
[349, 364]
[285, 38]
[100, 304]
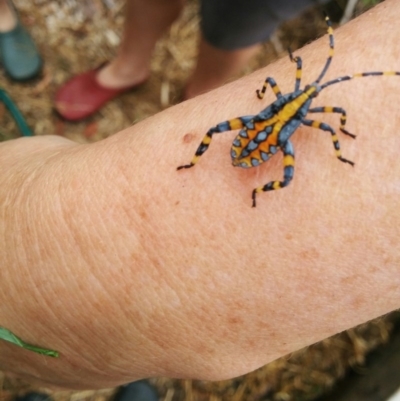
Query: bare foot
[116, 76]
[8, 19]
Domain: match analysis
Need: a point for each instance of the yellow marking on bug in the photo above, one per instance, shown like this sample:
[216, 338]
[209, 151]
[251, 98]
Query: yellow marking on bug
[244, 141]
[288, 160]
[315, 124]
[195, 159]
[309, 91]
[276, 185]
[236, 150]
[236, 123]
[298, 74]
[261, 125]
[335, 138]
[358, 75]
[291, 108]
[389, 73]
[275, 89]
[206, 140]
[329, 109]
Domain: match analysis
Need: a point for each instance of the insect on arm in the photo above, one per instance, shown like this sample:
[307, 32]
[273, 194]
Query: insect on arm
[272, 128]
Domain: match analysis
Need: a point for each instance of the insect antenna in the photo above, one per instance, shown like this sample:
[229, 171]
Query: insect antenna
[360, 75]
[331, 50]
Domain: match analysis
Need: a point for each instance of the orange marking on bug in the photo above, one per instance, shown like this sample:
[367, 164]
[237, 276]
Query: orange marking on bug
[261, 125]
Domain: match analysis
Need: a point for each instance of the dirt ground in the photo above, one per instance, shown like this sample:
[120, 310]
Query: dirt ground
[74, 36]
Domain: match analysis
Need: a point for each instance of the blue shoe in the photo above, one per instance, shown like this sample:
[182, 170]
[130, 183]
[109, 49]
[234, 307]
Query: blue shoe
[141, 390]
[18, 53]
[34, 397]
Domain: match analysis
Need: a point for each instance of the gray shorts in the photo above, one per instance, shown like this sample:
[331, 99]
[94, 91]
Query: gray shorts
[235, 24]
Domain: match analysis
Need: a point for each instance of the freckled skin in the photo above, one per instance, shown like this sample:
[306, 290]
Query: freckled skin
[187, 138]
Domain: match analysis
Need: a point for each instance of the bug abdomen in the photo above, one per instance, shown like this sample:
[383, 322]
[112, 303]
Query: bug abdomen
[252, 148]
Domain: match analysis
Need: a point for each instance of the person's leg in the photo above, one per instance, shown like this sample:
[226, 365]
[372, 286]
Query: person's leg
[8, 21]
[216, 66]
[232, 30]
[145, 22]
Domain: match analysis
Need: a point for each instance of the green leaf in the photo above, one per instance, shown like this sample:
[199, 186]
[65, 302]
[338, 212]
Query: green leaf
[6, 335]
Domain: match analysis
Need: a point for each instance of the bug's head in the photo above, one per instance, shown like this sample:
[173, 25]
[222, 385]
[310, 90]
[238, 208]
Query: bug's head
[313, 89]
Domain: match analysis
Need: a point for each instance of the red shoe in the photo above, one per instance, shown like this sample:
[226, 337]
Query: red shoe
[82, 96]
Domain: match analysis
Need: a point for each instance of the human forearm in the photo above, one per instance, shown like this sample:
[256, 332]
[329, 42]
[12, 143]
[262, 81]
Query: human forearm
[149, 271]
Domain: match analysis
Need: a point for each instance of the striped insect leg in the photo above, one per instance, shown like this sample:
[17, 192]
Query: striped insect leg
[229, 125]
[325, 127]
[360, 75]
[298, 62]
[334, 110]
[288, 172]
[331, 50]
[273, 85]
